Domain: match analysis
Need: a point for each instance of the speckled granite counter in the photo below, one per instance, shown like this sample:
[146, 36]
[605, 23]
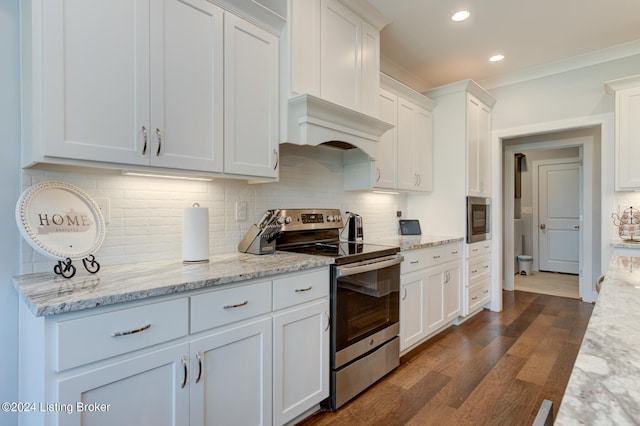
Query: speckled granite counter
[415, 242]
[604, 388]
[48, 294]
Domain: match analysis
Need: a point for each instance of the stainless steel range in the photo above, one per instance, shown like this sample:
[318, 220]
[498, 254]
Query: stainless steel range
[365, 288]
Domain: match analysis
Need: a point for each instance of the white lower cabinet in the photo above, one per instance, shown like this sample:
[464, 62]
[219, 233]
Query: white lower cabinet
[231, 376]
[254, 353]
[430, 292]
[142, 390]
[301, 360]
[477, 292]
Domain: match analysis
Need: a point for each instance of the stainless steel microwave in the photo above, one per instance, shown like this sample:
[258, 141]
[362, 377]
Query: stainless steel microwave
[478, 219]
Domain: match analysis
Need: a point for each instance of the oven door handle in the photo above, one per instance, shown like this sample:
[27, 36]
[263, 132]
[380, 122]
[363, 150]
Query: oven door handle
[368, 265]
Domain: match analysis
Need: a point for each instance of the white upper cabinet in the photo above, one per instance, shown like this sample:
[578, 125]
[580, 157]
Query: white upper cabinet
[186, 86]
[404, 158]
[478, 148]
[415, 147]
[251, 99]
[334, 54]
[627, 131]
[142, 83]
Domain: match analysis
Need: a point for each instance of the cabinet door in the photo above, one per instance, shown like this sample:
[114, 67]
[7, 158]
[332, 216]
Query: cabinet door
[95, 88]
[370, 69]
[478, 148]
[452, 301]
[340, 50]
[386, 163]
[434, 307]
[251, 99]
[186, 85]
[412, 313]
[407, 177]
[301, 360]
[150, 389]
[423, 149]
[628, 134]
[231, 376]
[415, 147]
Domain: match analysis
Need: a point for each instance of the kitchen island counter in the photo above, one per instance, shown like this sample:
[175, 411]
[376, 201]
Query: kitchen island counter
[49, 294]
[604, 387]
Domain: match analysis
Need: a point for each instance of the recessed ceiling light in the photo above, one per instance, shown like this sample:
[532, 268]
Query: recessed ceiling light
[460, 15]
[496, 58]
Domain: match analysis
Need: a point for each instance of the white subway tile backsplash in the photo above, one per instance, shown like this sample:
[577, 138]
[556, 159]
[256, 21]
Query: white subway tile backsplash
[146, 213]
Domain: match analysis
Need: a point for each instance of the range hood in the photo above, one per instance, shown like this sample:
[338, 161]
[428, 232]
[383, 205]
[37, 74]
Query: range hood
[315, 121]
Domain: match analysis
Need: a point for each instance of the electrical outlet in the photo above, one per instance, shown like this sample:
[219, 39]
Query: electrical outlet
[104, 204]
[241, 211]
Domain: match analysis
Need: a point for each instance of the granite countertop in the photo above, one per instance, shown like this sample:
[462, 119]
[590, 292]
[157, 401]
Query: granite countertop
[604, 387]
[49, 294]
[415, 242]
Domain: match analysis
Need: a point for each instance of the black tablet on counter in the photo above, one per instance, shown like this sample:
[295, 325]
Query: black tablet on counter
[410, 227]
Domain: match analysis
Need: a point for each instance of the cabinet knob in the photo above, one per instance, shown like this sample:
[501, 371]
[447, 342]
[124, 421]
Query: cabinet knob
[543, 226]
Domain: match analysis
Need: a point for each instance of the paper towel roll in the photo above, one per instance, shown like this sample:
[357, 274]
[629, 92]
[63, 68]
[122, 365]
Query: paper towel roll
[195, 234]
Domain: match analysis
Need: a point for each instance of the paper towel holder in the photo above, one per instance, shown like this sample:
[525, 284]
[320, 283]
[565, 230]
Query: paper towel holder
[195, 261]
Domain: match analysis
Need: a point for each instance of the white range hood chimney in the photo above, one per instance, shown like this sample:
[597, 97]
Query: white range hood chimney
[315, 121]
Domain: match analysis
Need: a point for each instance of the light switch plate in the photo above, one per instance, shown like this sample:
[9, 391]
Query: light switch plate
[241, 211]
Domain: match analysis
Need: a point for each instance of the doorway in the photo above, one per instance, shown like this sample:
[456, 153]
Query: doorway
[546, 149]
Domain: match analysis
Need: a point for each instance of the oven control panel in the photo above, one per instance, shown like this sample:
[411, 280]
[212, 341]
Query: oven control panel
[309, 219]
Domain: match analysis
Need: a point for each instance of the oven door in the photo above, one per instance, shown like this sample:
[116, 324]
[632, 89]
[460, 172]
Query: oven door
[366, 306]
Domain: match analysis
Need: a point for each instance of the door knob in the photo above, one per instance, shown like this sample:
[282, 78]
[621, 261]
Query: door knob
[543, 226]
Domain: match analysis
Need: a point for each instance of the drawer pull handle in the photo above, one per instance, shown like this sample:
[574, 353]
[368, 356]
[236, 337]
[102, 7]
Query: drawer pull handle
[404, 296]
[199, 357]
[237, 305]
[436, 257]
[454, 252]
[474, 298]
[128, 332]
[413, 262]
[486, 291]
[474, 271]
[300, 290]
[486, 266]
[184, 365]
[475, 249]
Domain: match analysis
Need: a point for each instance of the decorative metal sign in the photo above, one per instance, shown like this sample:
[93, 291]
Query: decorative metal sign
[60, 220]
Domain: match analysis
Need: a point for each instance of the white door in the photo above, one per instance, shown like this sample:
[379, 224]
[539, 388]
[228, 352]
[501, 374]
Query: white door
[559, 217]
[186, 129]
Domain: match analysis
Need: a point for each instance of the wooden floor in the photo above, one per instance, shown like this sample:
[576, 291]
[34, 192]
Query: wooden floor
[494, 369]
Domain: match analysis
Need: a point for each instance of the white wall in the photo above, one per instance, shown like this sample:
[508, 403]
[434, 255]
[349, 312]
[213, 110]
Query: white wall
[562, 101]
[9, 191]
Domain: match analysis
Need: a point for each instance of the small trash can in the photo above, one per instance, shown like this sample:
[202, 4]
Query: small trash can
[524, 264]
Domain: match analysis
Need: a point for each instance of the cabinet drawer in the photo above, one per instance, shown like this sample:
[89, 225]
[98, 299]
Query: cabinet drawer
[479, 267]
[478, 249]
[452, 252]
[423, 258]
[300, 288]
[92, 338]
[222, 307]
[479, 294]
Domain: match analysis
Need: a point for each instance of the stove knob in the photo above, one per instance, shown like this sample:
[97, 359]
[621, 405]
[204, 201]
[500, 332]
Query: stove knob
[287, 220]
[329, 218]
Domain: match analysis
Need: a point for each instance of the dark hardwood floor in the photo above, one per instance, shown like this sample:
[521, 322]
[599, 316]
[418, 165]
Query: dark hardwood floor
[494, 369]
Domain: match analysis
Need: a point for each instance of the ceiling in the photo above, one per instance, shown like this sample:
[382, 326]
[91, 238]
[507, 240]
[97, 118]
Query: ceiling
[428, 49]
